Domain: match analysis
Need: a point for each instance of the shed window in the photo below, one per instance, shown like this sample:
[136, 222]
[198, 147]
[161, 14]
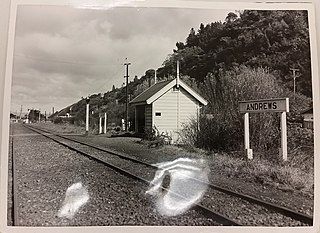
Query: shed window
[158, 113]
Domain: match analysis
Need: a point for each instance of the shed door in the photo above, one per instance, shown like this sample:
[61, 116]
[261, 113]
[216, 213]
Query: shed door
[141, 119]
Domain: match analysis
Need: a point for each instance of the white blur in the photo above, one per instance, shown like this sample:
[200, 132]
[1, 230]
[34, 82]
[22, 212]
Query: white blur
[76, 196]
[188, 183]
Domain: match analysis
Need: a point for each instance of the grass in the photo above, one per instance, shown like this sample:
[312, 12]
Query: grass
[63, 127]
[286, 176]
[283, 175]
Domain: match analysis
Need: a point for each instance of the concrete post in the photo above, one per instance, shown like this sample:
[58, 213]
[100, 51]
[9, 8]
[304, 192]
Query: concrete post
[105, 123]
[100, 125]
[248, 151]
[283, 149]
[87, 117]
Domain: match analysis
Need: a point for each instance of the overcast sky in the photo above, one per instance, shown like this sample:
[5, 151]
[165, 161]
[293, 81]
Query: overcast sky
[62, 53]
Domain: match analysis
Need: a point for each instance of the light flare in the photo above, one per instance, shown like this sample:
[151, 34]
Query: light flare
[188, 183]
[76, 196]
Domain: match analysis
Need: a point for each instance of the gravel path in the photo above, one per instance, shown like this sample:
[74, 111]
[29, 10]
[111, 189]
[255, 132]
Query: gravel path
[45, 170]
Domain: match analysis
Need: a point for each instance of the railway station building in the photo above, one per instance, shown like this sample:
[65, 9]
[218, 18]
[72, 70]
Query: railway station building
[165, 107]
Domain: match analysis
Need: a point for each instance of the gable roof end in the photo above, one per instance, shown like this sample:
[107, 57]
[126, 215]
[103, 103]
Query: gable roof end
[142, 97]
[309, 110]
[157, 90]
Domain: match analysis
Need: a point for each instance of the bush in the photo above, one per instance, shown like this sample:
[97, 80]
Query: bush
[155, 139]
[300, 148]
[70, 120]
[149, 134]
[57, 120]
[221, 125]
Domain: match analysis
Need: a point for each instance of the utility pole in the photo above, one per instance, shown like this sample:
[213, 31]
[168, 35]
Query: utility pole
[127, 102]
[20, 112]
[28, 116]
[294, 81]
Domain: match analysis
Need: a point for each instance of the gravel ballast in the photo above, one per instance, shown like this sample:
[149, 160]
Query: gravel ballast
[235, 208]
[45, 170]
[133, 147]
[295, 200]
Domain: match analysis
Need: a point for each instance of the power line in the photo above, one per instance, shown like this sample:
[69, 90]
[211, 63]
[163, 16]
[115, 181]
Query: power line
[294, 81]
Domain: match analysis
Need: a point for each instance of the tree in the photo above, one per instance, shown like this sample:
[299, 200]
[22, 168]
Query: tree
[224, 130]
[180, 46]
[192, 39]
[231, 17]
[276, 40]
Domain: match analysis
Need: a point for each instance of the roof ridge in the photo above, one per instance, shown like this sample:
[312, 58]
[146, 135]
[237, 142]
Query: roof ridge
[150, 93]
[165, 82]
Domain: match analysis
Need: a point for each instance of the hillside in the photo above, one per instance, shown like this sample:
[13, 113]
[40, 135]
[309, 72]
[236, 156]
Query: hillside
[276, 41]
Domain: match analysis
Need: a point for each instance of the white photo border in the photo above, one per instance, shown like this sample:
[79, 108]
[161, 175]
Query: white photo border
[8, 49]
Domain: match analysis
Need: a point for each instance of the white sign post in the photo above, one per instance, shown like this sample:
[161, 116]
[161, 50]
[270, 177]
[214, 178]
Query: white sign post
[104, 128]
[247, 137]
[268, 105]
[87, 116]
[105, 123]
[123, 124]
[100, 125]
[283, 150]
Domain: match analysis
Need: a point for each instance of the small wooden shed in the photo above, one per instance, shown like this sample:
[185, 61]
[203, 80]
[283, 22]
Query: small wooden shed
[166, 106]
[308, 118]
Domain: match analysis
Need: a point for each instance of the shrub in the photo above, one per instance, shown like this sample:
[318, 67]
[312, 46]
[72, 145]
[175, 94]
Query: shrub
[70, 120]
[154, 138]
[188, 134]
[224, 128]
[149, 134]
[300, 148]
[57, 120]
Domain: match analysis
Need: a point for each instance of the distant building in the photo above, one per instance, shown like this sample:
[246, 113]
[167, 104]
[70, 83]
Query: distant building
[307, 118]
[165, 106]
[13, 118]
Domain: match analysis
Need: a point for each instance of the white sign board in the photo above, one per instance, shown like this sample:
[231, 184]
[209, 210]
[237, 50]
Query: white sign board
[268, 105]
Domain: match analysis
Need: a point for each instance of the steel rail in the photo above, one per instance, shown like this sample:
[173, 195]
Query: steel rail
[15, 203]
[97, 147]
[271, 206]
[224, 220]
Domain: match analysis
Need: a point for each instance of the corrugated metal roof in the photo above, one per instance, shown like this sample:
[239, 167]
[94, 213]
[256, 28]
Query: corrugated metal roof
[142, 98]
[309, 110]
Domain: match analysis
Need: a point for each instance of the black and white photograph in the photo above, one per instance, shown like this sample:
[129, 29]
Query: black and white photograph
[135, 115]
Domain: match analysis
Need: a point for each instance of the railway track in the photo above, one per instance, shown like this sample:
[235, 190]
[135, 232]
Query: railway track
[144, 172]
[13, 191]
[45, 172]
